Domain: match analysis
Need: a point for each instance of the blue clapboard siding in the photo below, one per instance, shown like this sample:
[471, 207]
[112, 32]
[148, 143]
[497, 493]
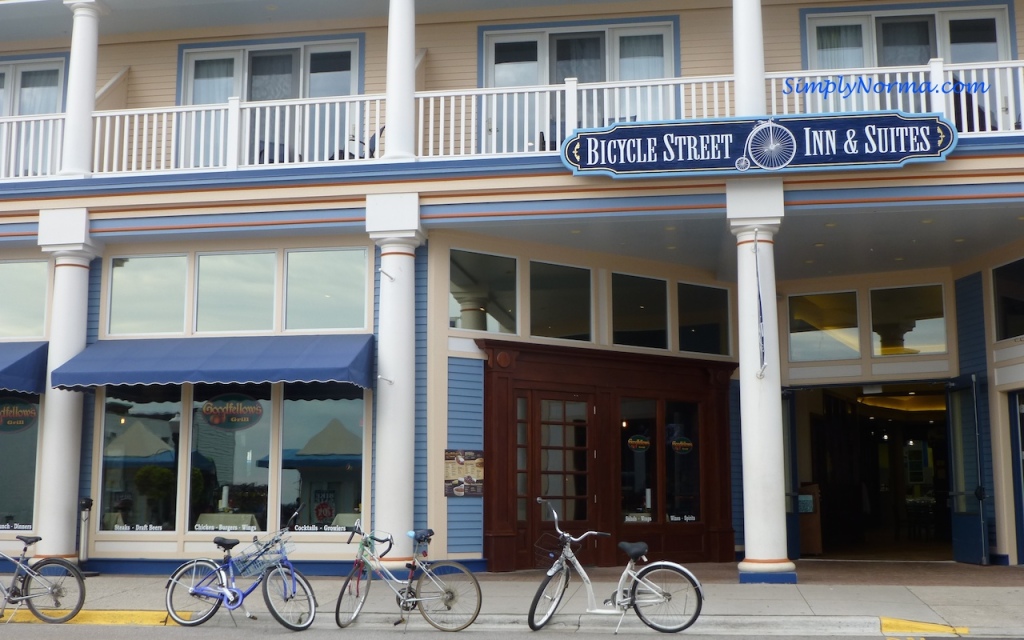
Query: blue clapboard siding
[971, 349]
[736, 460]
[92, 332]
[420, 515]
[465, 431]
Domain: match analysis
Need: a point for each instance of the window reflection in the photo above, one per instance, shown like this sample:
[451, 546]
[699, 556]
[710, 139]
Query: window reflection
[639, 311]
[141, 431]
[147, 294]
[322, 460]
[908, 320]
[482, 292]
[19, 437]
[326, 289]
[230, 449]
[236, 292]
[559, 301]
[823, 326]
[25, 282]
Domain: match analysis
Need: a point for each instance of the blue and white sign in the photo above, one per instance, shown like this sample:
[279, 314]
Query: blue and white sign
[738, 146]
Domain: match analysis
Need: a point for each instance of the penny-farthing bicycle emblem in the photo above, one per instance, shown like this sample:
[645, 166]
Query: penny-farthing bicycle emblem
[770, 146]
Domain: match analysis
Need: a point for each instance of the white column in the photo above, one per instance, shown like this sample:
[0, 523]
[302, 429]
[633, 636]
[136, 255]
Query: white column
[65, 233]
[748, 57]
[392, 220]
[764, 479]
[401, 81]
[76, 154]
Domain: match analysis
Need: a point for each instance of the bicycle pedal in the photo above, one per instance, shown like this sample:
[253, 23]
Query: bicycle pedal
[399, 621]
[607, 602]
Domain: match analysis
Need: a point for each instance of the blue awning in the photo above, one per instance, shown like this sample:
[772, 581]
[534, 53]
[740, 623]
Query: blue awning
[250, 359]
[23, 366]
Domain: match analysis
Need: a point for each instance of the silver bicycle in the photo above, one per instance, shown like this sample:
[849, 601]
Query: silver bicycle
[665, 595]
[53, 588]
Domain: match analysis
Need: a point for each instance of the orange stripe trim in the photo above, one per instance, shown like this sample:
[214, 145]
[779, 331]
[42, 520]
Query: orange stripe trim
[67, 264]
[397, 253]
[743, 242]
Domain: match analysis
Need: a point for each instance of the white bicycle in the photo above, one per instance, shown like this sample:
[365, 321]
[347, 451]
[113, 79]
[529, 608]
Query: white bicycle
[665, 595]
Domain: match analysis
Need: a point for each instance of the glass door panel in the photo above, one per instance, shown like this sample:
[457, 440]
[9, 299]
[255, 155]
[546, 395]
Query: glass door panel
[512, 117]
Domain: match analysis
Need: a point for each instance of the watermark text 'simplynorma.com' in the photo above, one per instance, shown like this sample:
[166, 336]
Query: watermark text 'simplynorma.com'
[845, 87]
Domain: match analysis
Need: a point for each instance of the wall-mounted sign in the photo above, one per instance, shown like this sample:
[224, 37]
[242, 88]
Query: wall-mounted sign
[463, 473]
[231, 411]
[17, 415]
[738, 146]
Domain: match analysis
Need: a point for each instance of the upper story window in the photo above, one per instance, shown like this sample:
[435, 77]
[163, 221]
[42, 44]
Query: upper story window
[823, 326]
[482, 292]
[27, 283]
[244, 291]
[589, 54]
[31, 88]
[908, 321]
[907, 37]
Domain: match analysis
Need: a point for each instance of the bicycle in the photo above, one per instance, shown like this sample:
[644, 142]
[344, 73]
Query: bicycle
[198, 588]
[446, 592]
[53, 588]
[665, 595]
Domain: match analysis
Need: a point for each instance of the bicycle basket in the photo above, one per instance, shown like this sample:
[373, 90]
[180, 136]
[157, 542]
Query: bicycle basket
[258, 557]
[548, 548]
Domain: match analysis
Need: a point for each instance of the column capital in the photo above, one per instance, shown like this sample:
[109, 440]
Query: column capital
[767, 227]
[96, 6]
[65, 233]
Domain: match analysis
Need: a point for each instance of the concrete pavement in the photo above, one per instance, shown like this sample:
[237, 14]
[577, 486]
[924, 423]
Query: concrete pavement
[831, 598]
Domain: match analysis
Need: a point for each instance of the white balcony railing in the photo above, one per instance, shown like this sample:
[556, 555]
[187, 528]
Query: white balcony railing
[984, 99]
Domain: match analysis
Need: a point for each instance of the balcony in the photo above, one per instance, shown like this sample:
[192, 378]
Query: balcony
[982, 100]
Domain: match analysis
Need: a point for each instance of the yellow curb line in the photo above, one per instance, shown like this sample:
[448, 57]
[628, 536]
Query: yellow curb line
[896, 625]
[150, 618]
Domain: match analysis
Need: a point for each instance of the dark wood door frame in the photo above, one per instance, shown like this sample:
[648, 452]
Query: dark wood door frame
[514, 367]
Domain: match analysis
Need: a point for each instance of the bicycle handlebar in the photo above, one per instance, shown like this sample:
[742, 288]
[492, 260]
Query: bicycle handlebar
[562, 534]
[357, 528]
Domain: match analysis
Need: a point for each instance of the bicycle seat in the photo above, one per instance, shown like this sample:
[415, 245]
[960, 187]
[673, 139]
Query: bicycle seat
[226, 544]
[34, 539]
[635, 550]
[423, 535]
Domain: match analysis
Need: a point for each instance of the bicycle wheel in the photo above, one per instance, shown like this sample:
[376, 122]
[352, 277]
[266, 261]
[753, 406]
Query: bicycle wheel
[449, 595]
[55, 591]
[666, 598]
[192, 596]
[353, 596]
[549, 596]
[290, 602]
[771, 146]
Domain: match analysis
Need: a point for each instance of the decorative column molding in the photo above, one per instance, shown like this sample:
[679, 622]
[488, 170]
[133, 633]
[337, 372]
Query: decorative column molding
[76, 153]
[65, 234]
[401, 81]
[392, 221]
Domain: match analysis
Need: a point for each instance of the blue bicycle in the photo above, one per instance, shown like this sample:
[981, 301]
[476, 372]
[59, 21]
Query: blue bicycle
[198, 588]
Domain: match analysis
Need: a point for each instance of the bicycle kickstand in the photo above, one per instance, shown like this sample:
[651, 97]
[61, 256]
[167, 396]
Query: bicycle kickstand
[621, 618]
[3, 611]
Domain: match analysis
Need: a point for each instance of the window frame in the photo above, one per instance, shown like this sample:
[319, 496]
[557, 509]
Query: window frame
[11, 90]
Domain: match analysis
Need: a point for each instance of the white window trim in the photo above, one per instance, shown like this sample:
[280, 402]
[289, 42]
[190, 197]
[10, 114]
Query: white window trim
[12, 81]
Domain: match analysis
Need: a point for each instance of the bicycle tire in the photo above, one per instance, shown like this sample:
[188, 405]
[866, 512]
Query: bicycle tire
[353, 596]
[771, 146]
[666, 598]
[548, 597]
[448, 595]
[184, 605]
[55, 591]
[293, 606]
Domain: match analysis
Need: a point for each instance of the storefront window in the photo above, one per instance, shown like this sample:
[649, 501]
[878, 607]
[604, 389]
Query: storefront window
[639, 311]
[236, 292]
[230, 436]
[141, 429]
[326, 289]
[703, 319]
[823, 326]
[147, 294]
[322, 461]
[25, 282]
[19, 436]
[482, 294]
[559, 301]
[639, 460]
[907, 321]
[1008, 281]
[682, 462]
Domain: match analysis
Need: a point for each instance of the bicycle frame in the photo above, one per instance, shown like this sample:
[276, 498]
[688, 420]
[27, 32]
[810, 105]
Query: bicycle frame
[372, 562]
[619, 604]
[231, 596]
[21, 570]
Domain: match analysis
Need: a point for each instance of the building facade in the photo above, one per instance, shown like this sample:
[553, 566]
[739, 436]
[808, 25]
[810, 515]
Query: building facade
[349, 257]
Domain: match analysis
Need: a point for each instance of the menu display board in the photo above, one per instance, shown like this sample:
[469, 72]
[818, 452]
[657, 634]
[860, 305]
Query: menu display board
[463, 473]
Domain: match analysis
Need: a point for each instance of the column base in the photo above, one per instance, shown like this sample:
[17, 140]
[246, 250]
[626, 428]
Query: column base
[780, 577]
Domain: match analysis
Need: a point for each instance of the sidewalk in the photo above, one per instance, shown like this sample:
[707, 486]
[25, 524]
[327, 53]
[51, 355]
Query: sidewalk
[832, 597]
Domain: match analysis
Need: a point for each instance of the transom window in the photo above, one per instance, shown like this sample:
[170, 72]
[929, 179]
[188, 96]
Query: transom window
[907, 38]
[245, 291]
[28, 283]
